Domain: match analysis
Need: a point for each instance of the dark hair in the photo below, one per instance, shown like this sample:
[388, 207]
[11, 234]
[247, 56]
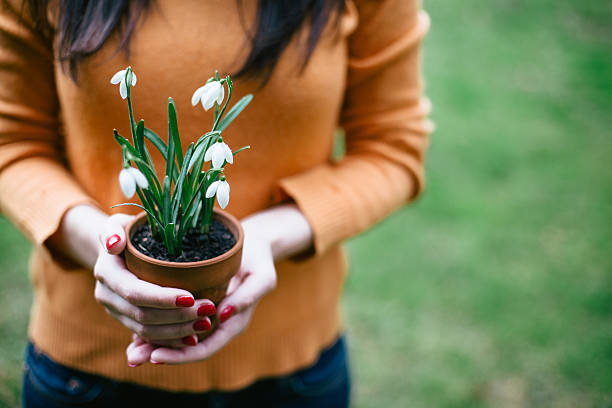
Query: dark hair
[83, 27]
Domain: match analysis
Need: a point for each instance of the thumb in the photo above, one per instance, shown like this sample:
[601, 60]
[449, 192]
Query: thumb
[113, 238]
[257, 282]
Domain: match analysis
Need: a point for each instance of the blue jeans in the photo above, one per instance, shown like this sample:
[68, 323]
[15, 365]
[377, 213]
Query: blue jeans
[51, 385]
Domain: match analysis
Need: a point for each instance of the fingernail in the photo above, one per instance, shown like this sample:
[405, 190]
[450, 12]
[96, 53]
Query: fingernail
[202, 325]
[133, 365]
[155, 362]
[112, 241]
[207, 309]
[226, 313]
[190, 340]
[185, 301]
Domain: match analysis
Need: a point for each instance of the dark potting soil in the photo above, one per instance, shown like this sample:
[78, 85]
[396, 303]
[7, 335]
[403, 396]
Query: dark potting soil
[196, 246]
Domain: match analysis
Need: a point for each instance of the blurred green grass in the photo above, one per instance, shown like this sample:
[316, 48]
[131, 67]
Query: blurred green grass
[494, 289]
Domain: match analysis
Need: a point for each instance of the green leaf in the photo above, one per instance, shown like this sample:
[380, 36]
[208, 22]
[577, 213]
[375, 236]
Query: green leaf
[241, 149]
[183, 227]
[178, 190]
[170, 158]
[198, 208]
[205, 137]
[139, 141]
[150, 161]
[145, 155]
[157, 141]
[161, 146]
[173, 130]
[198, 157]
[171, 243]
[193, 203]
[124, 143]
[165, 210]
[188, 221]
[148, 200]
[233, 113]
[142, 208]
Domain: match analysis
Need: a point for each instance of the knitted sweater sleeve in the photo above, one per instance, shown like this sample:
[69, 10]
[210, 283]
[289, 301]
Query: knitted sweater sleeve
[36, 188]
[385, 122]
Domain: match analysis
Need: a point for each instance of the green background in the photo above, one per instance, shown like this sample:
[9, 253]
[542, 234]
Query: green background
[494, 289]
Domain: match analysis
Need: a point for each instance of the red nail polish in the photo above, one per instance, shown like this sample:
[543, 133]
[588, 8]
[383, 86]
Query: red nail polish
[190, 340]
[155, 362]
[207, 309]
[185, 301]
[133, 365]
[226, 313]
[112, 241]
[202, 325]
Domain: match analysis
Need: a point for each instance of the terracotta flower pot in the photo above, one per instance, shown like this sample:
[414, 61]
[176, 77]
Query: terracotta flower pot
[206, 279]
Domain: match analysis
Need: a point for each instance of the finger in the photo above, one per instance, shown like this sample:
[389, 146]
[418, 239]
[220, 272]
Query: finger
[110, 270]
[207, 347]
[139, 352]
[248, 292]
[233, 284]
[148, 315]
[113, 238]
[187, 341]
[136, 341]
[152, 333]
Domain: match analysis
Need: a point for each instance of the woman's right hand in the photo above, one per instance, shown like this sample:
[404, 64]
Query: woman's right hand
[160, 315]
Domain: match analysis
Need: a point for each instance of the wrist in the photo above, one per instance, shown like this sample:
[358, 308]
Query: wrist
[284, 228]
[77, 234]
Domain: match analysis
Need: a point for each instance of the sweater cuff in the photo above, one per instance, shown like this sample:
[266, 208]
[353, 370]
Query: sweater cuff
[36, 193]
[327, 211]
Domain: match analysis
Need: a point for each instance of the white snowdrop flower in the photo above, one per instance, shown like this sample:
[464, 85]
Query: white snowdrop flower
[209, 94]
[222, 189]
[119, 78]
[217, 153]
[129, 177]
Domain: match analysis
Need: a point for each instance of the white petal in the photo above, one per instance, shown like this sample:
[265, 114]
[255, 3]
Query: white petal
[223, 192]
[197, 95]
[207, 102]
[133, 78]
[218, 156]
[123, 89]
[118, 77]
[220, 94]
[212, 189]
[127, 183]
[227, 153]
[210, 94]
[208, 154]
[140, 178]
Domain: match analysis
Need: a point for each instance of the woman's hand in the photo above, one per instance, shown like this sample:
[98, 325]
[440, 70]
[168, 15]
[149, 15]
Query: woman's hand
[160, 315]
[269, 235]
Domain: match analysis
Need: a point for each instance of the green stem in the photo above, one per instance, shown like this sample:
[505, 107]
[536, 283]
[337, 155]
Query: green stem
[206, 215]
[131, 113]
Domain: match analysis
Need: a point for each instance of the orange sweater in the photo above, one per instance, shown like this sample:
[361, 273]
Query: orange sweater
[57, 150]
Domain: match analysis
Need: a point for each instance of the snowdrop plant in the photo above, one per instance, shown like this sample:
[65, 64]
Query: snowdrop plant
[184, 198]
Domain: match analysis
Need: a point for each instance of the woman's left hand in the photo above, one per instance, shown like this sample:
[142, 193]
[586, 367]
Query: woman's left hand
[268, 235]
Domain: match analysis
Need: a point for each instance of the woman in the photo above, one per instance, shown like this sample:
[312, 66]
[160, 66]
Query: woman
[312, 65]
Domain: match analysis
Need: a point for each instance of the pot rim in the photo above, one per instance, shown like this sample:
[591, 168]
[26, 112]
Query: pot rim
[186, 265]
